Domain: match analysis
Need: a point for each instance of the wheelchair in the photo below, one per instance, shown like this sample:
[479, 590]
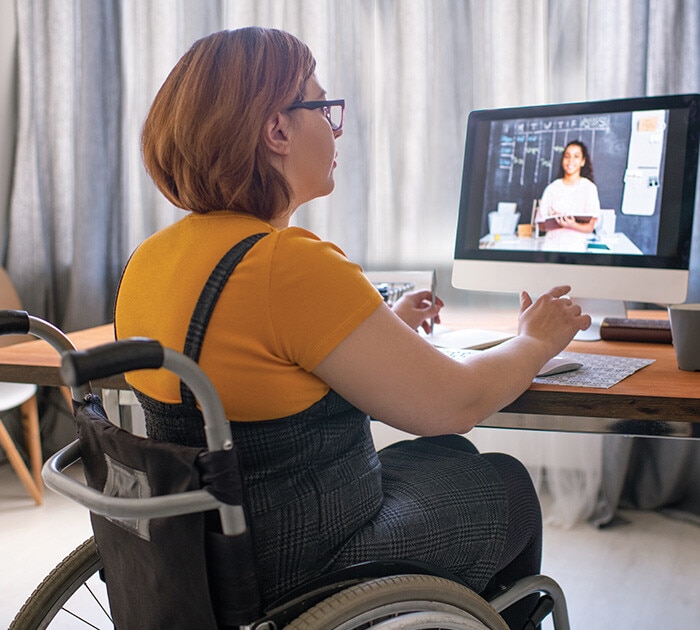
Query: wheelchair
[147, 498]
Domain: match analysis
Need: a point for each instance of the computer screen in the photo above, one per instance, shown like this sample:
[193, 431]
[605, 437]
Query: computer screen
[597, 195]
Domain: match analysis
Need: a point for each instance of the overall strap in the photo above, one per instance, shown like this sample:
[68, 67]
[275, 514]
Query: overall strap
[208, 299]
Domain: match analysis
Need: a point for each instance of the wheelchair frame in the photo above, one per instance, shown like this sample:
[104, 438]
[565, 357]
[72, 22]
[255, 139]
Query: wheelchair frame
[336, 599]
[389, 595]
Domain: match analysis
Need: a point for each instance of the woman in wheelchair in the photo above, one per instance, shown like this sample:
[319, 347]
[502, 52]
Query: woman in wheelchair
[301, 347]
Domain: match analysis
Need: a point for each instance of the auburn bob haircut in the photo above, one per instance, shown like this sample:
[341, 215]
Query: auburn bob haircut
[202, 139]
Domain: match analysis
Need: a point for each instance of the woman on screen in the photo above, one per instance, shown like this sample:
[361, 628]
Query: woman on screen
[570, 206]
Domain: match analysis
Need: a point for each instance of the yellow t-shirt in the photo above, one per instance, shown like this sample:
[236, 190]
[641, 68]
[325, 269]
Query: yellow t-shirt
[290, 301]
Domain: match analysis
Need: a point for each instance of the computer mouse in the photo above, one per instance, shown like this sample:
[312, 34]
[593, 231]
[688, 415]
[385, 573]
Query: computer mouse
[558, 365]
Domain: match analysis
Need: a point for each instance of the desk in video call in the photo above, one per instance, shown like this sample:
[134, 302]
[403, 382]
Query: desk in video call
[617, 243]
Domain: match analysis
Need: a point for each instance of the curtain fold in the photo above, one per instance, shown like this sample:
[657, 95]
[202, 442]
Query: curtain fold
[67, 165]
[410, 73]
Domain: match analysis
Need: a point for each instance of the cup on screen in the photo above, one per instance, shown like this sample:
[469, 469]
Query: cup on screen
[607, 222]
[685, 330]
[524, 230]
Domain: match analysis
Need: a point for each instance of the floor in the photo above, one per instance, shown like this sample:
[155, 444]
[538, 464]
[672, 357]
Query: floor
[640, 576]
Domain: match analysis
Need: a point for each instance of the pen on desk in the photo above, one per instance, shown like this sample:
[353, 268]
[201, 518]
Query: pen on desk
[433, 290]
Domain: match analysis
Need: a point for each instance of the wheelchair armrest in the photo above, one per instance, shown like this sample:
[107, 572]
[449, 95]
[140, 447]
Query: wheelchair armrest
[232, 516]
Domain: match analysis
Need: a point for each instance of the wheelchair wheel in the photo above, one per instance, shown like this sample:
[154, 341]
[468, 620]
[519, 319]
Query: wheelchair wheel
[71, 595]
[418, 602]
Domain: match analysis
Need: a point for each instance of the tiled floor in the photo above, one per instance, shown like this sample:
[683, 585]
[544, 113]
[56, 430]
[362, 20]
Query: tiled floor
[639, 576]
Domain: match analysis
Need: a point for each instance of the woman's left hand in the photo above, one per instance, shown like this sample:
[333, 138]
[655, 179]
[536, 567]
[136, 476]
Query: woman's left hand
[416, 309]
[571, 223]
[567, 222]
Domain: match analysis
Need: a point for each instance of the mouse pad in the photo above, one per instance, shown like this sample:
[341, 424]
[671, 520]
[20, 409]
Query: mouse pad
[598, 370]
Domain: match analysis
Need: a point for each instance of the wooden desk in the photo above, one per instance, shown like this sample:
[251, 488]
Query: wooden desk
[659, 400]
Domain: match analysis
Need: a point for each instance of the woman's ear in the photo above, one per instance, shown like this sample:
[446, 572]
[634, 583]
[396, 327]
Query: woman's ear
[276, 134]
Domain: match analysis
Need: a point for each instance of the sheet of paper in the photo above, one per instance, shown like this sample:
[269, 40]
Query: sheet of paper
[474, 338]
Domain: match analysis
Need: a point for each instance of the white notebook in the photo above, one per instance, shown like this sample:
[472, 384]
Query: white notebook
[468, 338]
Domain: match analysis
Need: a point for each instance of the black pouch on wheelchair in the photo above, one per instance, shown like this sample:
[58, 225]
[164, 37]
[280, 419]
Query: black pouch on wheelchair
[174, 572]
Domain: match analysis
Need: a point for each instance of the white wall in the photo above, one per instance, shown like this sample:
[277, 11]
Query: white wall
[8, 96]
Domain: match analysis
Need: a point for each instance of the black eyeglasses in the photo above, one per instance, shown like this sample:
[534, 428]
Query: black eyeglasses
[334, 111]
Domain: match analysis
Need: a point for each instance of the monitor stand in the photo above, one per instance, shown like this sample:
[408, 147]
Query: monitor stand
[598, 310]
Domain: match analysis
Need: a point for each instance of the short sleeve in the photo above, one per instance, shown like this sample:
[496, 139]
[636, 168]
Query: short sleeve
[317, 297]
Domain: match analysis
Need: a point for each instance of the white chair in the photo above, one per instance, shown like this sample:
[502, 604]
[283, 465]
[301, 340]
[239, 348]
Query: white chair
[22, 396]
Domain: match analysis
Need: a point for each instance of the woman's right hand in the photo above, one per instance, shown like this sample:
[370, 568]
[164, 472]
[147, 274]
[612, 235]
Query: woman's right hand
[553, 318]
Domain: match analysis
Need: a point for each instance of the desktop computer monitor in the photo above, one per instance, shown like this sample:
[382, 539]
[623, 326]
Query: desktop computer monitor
[624, 234]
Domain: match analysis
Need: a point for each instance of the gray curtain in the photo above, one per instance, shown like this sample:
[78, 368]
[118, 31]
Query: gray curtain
[64, 241]
[80, 202]
[410, 71]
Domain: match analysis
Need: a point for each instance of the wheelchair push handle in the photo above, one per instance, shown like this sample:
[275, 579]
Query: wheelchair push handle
[18, 322]
[140, 353]
[14, 322]
[111, 358]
